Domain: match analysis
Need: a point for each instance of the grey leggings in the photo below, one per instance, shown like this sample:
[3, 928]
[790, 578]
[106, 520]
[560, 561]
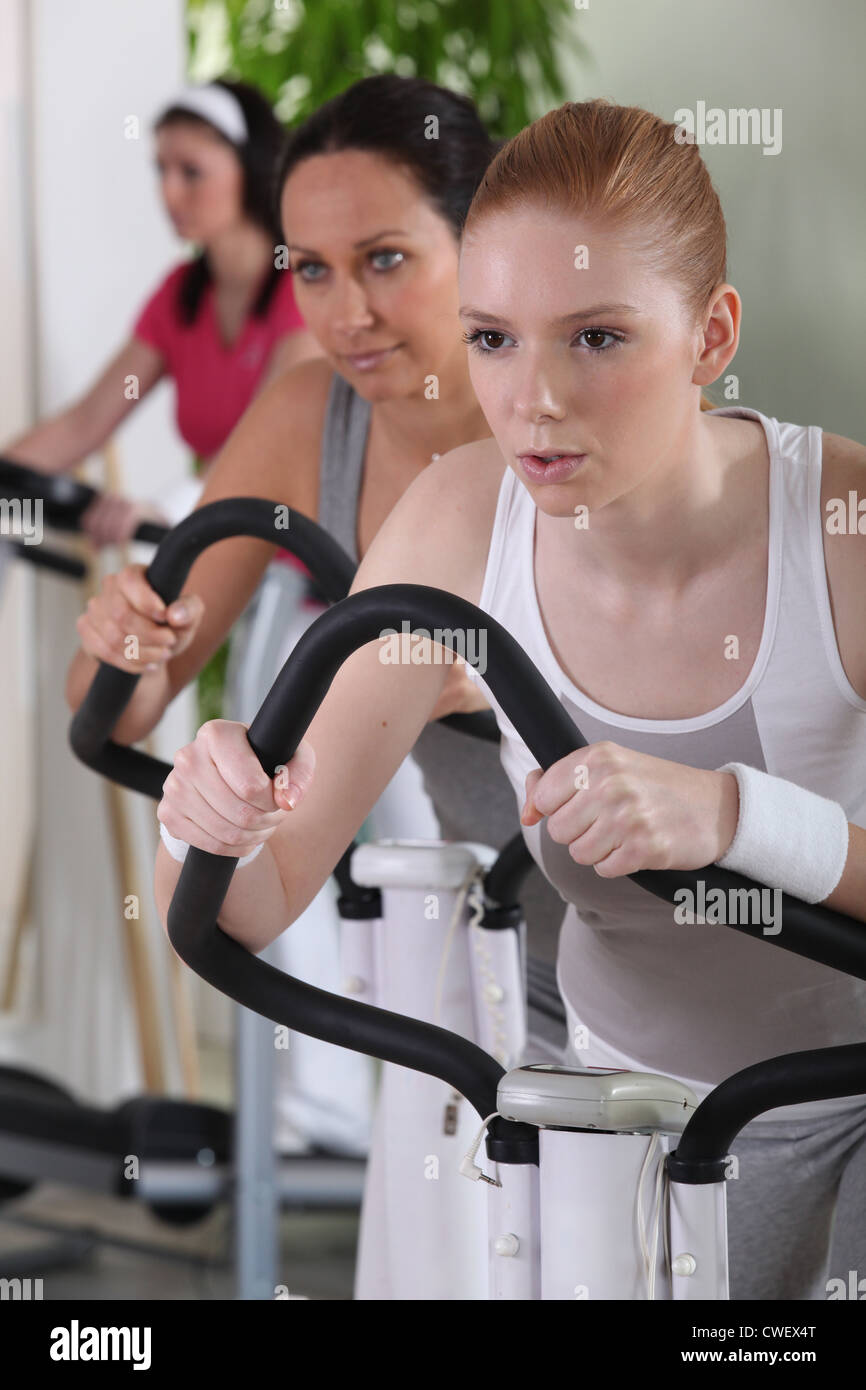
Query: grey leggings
[797, 1210]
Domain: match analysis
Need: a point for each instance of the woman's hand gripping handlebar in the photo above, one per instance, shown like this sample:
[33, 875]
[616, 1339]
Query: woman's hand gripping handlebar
[112, 689]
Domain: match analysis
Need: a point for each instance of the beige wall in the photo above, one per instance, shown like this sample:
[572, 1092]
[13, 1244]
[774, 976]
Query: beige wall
[796, 220]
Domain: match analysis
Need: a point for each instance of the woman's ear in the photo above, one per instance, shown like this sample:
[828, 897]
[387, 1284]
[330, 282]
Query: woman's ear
[719, 335]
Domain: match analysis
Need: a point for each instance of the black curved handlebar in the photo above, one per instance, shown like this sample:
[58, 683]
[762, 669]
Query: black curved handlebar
[705, 1143]
[112, 689]
[815, 932]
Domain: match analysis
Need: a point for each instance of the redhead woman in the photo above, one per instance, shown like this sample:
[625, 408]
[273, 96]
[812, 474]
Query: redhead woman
[668, 568]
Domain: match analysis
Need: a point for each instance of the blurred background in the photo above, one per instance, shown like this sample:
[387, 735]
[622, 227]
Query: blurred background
[82, 240]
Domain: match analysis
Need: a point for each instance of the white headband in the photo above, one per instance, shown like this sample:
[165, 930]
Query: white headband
[218, 106]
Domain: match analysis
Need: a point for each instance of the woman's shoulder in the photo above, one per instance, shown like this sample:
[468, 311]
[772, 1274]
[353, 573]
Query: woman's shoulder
[439, 531]
[275, 447]
[158, 312]
[294, 406]
[473, 472]
[463, 486]
[841, 455]
[843, 471]
[168, 287]
[843, 511]
[297, 398]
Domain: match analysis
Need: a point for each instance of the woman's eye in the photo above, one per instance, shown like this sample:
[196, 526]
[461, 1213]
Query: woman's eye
[478, 339]
[377, 254]
[190, 171]
[592, 335]
[303, 266]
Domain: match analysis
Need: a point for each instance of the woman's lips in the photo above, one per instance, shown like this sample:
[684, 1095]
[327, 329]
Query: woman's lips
[537, 471]
[367, 361]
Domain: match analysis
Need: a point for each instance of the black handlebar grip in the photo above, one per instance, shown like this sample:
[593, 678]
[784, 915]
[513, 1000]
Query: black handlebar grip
[152, 532]
[62, 499]
[54, 560]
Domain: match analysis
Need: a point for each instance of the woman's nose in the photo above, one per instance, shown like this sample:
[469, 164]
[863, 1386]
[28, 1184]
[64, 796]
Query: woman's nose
[351, 309]
[540, 384]
[172, 192]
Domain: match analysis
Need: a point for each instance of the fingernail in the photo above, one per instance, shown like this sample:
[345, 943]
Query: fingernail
[292, 794]
[152, 666]
[179, 613]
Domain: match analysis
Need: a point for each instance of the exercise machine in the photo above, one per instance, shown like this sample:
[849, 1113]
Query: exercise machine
[562, 1142]
[45, 1132]
[259, 1186]
[184, 1150]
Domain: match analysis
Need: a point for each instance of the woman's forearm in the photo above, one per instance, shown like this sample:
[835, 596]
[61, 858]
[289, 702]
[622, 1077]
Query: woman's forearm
[255, 911]
[54, 445]
[144, 711]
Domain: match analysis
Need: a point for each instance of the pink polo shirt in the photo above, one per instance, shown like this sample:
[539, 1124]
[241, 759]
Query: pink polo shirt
[214, 384]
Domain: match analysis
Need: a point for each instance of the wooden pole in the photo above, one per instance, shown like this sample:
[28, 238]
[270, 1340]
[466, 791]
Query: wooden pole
[134, 934]
[12, 962]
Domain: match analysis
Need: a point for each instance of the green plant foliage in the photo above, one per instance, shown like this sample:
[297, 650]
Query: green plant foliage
[210, 686]
[502, 53]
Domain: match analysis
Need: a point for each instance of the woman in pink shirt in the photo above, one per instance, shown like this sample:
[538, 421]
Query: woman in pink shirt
[220, 325]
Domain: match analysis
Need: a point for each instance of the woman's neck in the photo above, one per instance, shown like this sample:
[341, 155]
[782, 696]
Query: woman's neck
[700, 507]
[240, 257]
[415, 427]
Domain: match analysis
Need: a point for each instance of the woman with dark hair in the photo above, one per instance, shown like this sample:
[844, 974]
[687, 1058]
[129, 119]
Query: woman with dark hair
[220, 325]
[374, 188]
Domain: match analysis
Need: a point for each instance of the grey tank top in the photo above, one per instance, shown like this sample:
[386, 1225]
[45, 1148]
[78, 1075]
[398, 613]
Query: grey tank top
[697, 999]
[463, 776]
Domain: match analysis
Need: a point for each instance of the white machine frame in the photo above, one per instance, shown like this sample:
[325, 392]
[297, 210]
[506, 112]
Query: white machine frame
[570, 1227]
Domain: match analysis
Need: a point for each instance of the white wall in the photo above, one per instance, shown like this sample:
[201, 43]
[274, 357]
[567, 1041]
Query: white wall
[795, 220]
[102, 239]
[100, 245]
[17, 739]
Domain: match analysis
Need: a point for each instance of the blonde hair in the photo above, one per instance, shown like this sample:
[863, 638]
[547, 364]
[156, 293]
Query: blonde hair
[623, 165]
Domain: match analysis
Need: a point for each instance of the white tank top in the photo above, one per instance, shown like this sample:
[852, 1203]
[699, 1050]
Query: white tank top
[701, 1001]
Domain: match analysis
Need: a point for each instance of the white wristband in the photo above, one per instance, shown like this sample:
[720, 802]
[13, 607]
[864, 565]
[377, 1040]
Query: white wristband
[178, 848]
[787, 837]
